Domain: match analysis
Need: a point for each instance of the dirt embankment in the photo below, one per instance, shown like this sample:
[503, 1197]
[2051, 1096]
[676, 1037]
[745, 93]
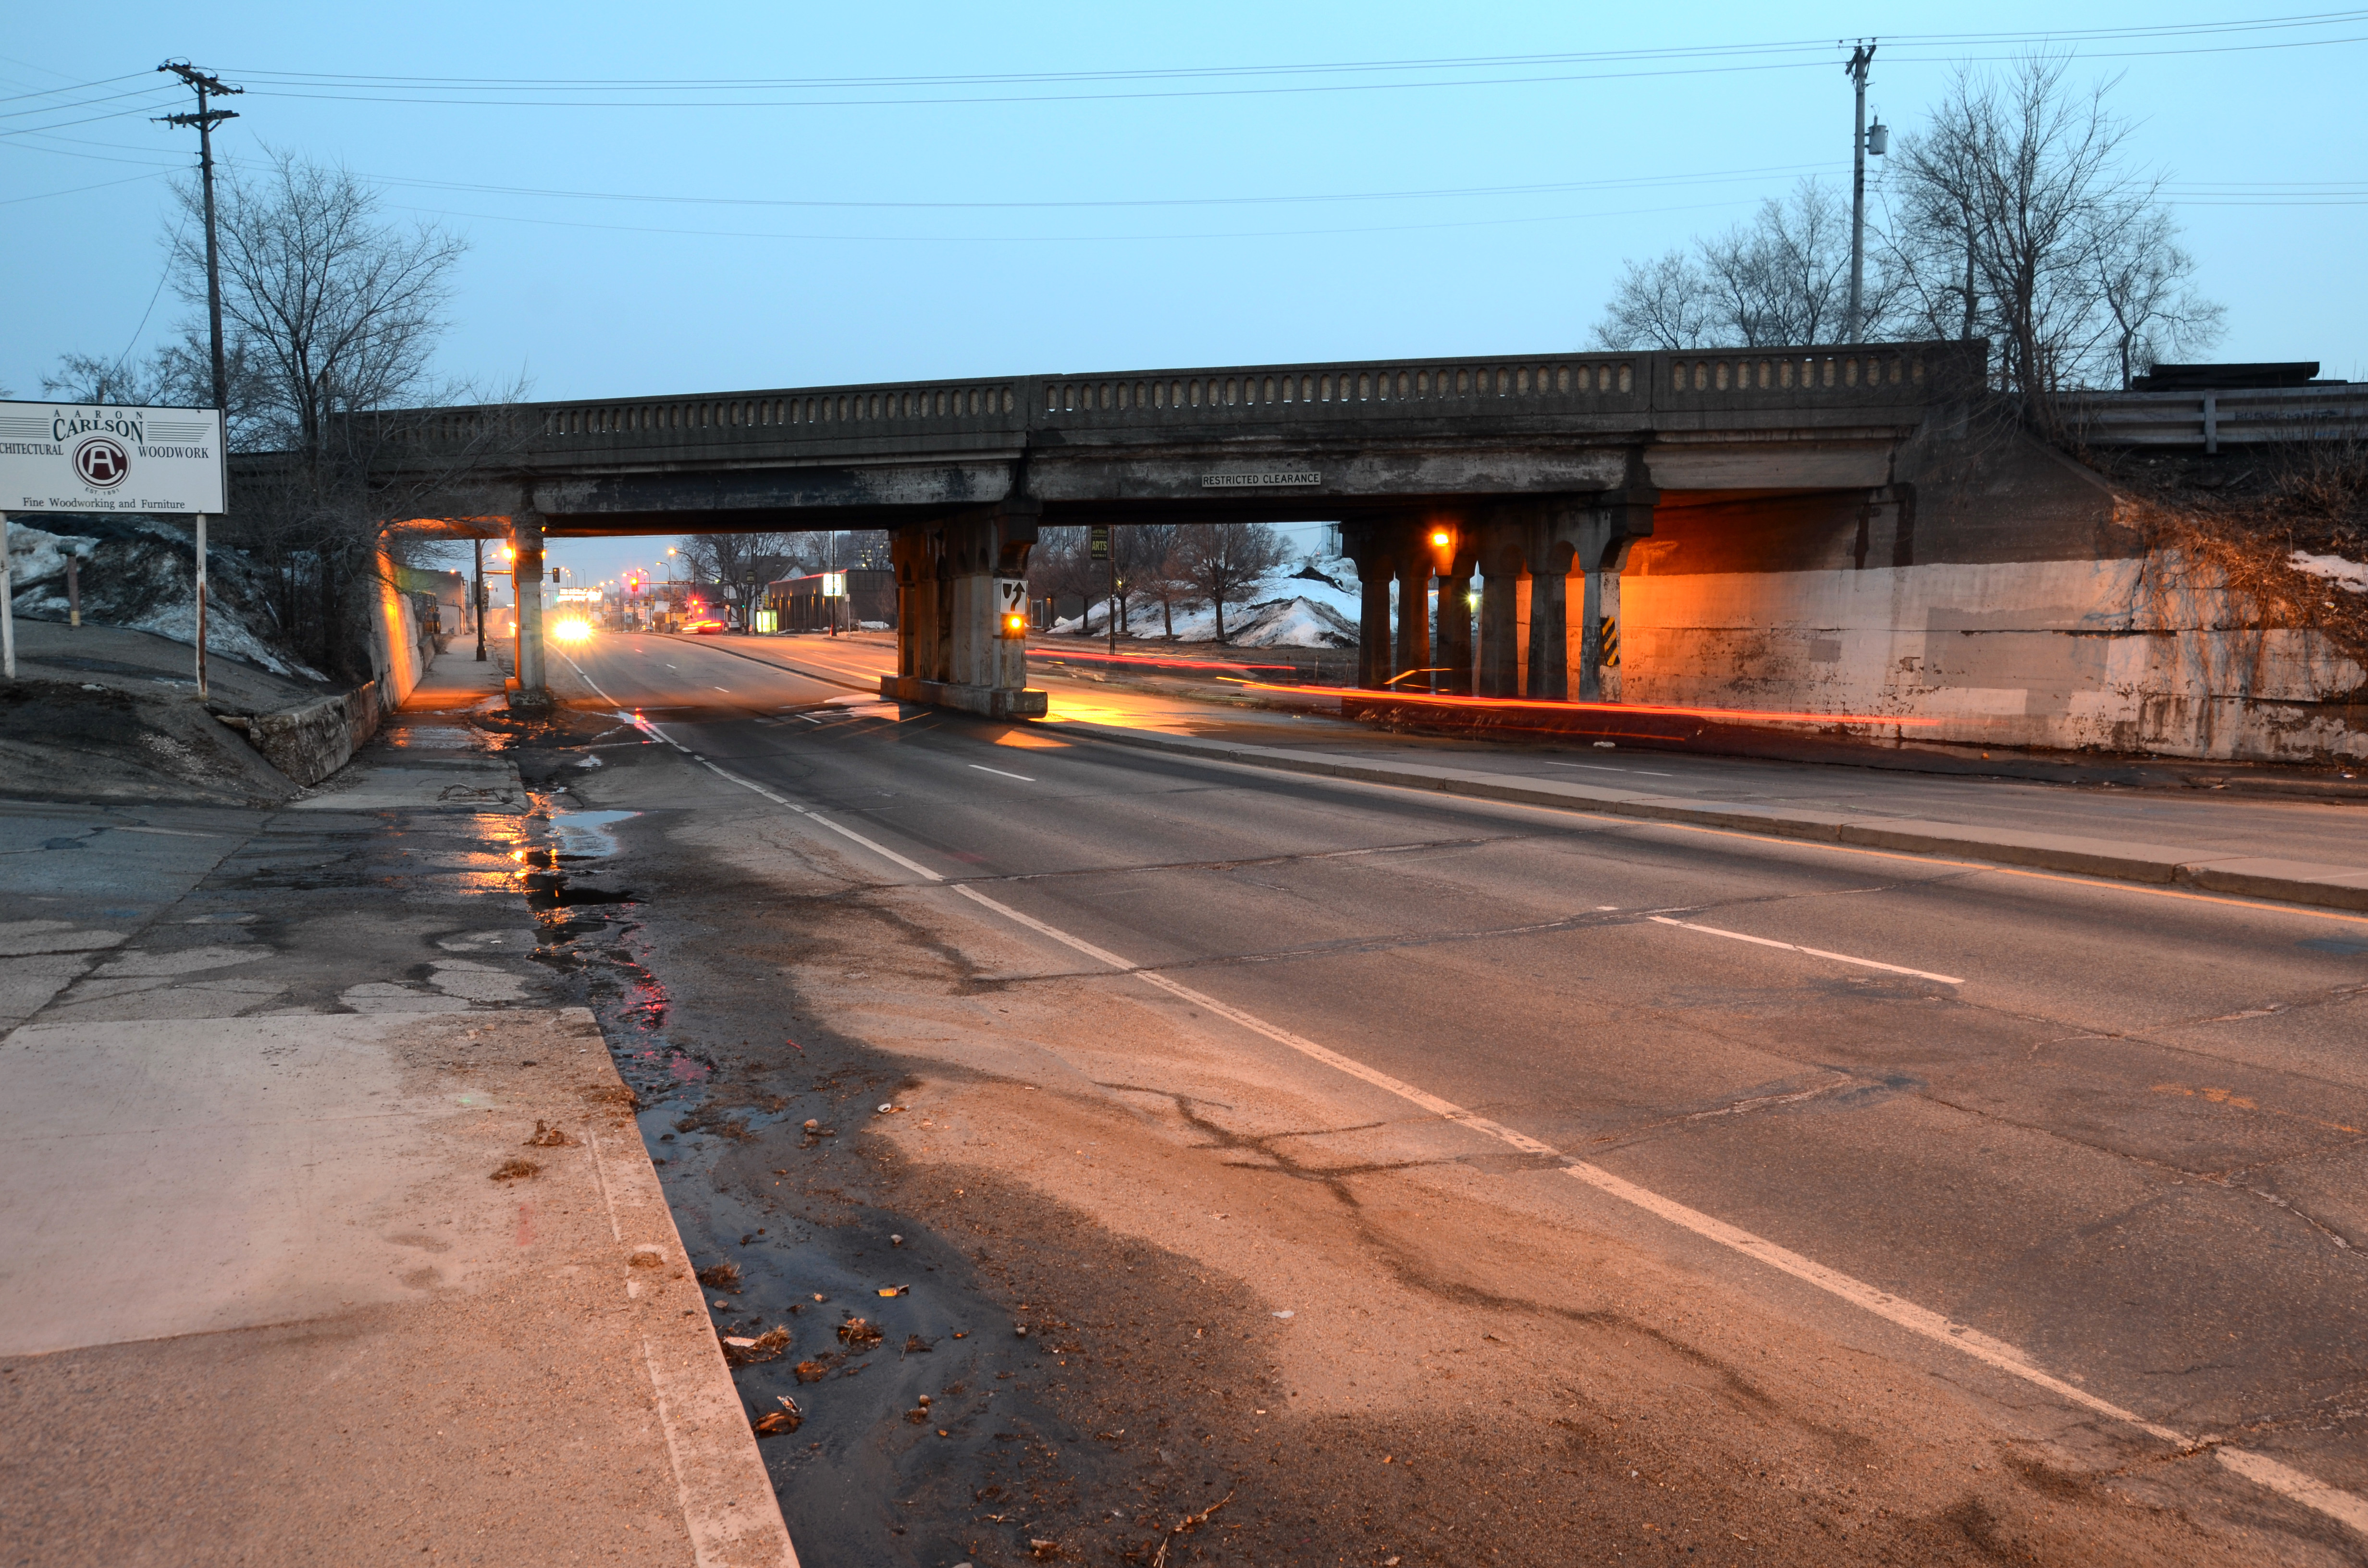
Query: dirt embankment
[102, 713]
[2276, 525]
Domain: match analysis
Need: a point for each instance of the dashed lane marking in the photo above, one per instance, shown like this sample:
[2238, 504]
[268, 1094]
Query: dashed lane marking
[1796, 948]
[2309, 1491]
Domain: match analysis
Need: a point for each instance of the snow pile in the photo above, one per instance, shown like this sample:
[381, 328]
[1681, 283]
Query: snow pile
[2352, 575]
[35, 555]
[1312, 604]
[141, 573]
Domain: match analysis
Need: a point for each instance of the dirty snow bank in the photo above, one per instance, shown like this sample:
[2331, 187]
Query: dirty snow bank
[1310, 605]
[139, 573]
[2348, 575]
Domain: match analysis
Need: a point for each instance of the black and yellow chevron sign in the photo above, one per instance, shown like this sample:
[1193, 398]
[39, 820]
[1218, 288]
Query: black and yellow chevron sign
[1607, 635]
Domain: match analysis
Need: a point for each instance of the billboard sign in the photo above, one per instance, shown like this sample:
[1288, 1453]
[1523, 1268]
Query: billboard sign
[64, 457]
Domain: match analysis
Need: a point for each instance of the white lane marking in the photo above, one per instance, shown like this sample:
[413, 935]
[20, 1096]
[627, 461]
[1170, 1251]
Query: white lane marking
[1606, 768]
[724, 689]
[170, 832]
[2344, 1507]
[2307, 1490]
[1796, 948]
[880, 849]
[810, 718]
[1021, 777]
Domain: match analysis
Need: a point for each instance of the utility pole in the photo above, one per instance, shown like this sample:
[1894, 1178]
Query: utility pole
[205, 120]
[1854, 320]
[477, 600]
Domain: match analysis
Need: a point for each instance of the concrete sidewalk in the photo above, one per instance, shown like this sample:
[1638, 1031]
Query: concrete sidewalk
[2339, 883]
[325, 1236]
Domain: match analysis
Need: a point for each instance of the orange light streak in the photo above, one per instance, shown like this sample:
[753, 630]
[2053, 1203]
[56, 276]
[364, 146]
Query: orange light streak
[1628, 710]
[1154, 660]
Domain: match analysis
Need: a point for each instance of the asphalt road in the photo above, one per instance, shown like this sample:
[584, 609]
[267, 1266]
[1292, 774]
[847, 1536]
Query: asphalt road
[2122, 1131]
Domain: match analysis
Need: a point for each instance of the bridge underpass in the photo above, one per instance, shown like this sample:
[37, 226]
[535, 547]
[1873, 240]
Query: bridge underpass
[1536, 476]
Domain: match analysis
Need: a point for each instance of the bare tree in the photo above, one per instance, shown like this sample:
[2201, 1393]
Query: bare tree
[2156, 314]
[336, 310]
[2022, 196]
[1780, 279]
[1060, 565]
[331, 317]
[1223, 561]
[1662, 303]
[1153, 567]
[743, 562]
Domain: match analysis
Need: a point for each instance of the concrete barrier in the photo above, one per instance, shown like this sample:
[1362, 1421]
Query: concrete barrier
[312, 742]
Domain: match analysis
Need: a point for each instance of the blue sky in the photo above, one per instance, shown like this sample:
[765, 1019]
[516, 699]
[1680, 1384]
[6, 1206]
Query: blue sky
[905, 208]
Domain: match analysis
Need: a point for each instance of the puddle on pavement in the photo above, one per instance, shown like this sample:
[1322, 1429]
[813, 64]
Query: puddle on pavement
[433, 737]
[586, 836]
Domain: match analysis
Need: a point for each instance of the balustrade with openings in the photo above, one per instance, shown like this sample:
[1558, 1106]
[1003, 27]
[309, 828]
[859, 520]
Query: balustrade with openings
[1600, 384]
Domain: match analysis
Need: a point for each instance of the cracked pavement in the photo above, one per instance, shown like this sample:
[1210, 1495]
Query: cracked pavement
[2126, 1144]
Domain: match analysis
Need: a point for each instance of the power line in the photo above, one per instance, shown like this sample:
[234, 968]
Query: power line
[1068, 238]
[1541, 188]
[1820, 47]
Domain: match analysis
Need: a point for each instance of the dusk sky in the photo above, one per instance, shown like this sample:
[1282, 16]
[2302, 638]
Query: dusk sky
[687, 200]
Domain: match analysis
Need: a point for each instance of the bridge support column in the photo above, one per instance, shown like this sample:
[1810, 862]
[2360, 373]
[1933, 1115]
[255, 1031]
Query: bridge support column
[1498, 671]
[1413, 622]
[1549, 663]
[526, 686]
[1619, 519]
[950, 647]
[1370, 545]
[1453, 654]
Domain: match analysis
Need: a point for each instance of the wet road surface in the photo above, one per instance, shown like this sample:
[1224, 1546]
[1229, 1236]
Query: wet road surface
[2121, 1132]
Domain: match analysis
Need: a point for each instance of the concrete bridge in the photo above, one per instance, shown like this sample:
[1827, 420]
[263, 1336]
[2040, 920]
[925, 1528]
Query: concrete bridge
[1528, 472]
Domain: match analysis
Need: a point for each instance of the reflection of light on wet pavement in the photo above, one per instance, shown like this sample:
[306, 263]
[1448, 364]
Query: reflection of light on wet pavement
[585, 835]
[1079, 710]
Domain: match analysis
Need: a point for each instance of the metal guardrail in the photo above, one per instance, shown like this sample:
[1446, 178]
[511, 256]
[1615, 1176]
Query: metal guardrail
[2251, 416]
[1637, 385]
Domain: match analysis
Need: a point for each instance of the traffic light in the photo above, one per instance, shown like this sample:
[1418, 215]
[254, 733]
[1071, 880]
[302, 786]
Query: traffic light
[554, 573]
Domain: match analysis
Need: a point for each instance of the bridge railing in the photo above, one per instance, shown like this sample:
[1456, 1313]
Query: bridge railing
[2210, 420]
[1631, 385]
[1574, 383]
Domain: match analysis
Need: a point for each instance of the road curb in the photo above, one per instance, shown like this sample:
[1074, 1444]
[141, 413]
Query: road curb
[2289, 882]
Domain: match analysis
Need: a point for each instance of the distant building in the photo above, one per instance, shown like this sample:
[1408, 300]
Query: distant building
[816, 600]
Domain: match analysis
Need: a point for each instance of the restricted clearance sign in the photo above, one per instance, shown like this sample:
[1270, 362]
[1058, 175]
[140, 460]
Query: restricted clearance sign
[63, 457]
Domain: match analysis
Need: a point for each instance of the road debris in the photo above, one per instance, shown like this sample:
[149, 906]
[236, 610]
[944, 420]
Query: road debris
[768, 1346]
[548, 1137]
[858, 1333]
[895, 1290]
[721, 1276]
[789, 1418]
[647, 1257]
[915, 1345]
[516, 1170]
[1184, 1526]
